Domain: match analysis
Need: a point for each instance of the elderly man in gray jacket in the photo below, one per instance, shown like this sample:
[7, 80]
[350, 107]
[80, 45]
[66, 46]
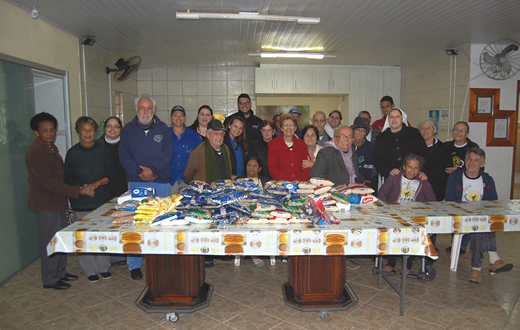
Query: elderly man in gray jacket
[337, 161]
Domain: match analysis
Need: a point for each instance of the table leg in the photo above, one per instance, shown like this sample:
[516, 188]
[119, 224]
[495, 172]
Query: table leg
[318, 283]
[455, 251]
[175, 283]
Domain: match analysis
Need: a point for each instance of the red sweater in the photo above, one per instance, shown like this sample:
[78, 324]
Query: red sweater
[286, 164]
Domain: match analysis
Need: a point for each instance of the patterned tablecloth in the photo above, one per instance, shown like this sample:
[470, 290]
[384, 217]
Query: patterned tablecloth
[447, 217]
[360, 233]
[377, 228]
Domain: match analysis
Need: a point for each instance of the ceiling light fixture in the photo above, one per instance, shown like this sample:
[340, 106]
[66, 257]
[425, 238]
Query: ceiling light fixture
[293, 49]
[313, 56]
[248, 16]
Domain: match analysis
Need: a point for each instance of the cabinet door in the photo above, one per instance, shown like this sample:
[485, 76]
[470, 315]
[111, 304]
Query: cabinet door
[303, 80]
[264, 80]
[284, 81]
[321, 80]
[340, 81]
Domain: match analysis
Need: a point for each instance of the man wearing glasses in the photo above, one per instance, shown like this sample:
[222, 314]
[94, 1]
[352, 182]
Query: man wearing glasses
[337, 161]
[253, 123]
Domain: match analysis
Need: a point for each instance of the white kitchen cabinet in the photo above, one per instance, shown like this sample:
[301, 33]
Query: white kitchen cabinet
[303, 80]
[331, 81]
[279, 80]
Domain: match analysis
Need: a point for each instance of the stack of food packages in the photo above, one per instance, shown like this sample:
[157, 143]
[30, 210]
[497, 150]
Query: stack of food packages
[248, 201]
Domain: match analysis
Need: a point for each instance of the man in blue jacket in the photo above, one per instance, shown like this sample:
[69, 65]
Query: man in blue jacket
[145, 152]
[473, 184]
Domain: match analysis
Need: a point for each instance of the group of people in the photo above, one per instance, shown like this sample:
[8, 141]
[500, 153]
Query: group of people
[413, 164]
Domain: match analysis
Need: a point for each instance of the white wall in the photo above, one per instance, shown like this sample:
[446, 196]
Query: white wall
[499, 160]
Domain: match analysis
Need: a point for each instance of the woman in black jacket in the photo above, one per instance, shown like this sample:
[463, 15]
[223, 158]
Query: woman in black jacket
[396, 142]
[260, 148]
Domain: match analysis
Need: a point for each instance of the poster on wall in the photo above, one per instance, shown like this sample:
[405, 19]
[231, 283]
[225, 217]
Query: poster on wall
[445, 115]
[434, 114]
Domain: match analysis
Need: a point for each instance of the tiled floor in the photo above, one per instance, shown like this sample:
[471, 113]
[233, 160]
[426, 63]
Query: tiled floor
[248, 297]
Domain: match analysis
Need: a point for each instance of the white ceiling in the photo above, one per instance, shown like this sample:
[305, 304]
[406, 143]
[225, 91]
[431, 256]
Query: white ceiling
[358, 32]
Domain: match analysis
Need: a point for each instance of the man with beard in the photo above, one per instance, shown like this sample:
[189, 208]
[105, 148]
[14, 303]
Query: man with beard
[145, 151]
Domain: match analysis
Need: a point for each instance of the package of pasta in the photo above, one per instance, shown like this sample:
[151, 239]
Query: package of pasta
[128, 206]
[291, 186]
[221, 183]
[261, 214]
[275, 189]
[228, 197]
[290, 195]
[244, 210]
[248, 184]
[259, 193]
[199, 186]
[322, 190]
[354, 188]
[306, 185]
[341, 197]
[280, 213]
[326, 217]
[306, 192]
[224, 212]
[321, 182]
[144, 218]
[199, 214]
[267, 205]
[291, 207]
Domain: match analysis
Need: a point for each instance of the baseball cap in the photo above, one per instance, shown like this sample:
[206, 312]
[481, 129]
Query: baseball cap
[361, 122]
[178, 108]
[295, 112]
[216, 125]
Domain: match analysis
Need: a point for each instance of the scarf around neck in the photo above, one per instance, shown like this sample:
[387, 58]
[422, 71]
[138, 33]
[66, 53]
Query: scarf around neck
[347, 159]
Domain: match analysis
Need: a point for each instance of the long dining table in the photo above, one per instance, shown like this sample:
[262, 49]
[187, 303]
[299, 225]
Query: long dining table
[317, 277]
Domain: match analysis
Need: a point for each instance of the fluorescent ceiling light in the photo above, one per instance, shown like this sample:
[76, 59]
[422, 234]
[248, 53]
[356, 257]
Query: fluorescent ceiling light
[249, 17]
[293, 49]
[292, 55]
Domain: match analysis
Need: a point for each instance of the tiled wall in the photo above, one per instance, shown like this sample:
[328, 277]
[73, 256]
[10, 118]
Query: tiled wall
[195, 86]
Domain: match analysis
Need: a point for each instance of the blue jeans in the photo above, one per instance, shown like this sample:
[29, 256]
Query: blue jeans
[134, 261]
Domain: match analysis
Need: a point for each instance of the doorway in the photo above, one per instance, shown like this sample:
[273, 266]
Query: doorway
[50, 97]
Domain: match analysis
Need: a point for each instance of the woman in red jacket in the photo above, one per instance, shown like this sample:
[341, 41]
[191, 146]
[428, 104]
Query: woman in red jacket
[287, 152]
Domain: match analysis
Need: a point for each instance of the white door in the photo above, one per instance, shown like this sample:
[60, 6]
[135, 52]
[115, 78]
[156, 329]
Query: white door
[49, 97]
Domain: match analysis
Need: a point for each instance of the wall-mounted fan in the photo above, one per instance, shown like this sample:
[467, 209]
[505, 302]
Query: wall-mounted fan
[500, 59]
[125, 68]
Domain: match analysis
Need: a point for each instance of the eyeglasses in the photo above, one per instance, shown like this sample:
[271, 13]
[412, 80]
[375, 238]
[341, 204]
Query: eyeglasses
[319, 120]
[459, 130]
[288, 125]
[113, 126]
[344, 137]
[266, 129]
[244, 103]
